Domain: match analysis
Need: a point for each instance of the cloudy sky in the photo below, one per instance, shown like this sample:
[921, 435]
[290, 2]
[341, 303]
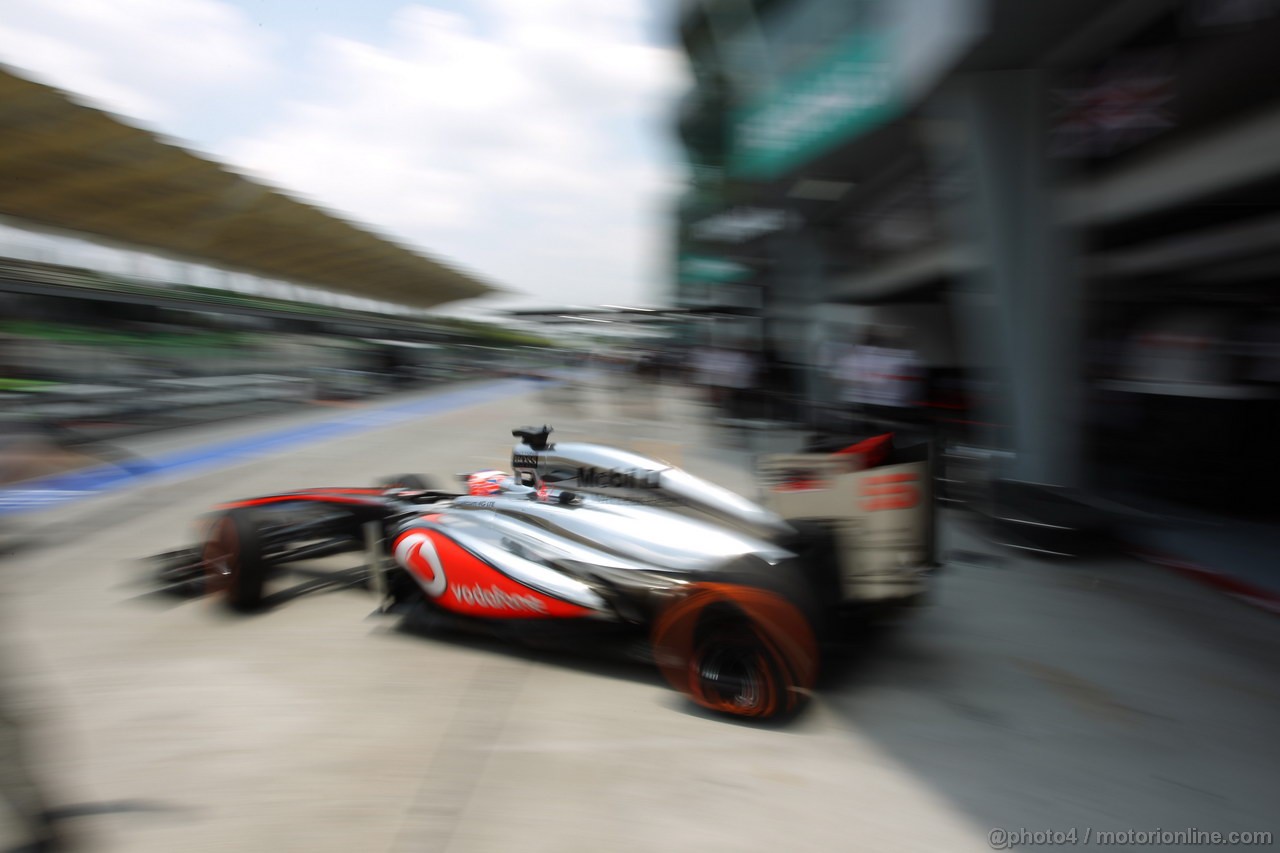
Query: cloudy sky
[525, 140]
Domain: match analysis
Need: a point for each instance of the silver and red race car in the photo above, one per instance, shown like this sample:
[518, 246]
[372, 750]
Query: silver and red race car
[729, 597]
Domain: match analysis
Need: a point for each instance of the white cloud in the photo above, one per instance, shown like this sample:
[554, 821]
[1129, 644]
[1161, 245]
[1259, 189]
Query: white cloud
[506, 143]
[518, 141]
[146, 59]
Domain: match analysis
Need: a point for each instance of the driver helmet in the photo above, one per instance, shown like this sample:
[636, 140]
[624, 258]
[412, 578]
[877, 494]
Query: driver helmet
[486, 482]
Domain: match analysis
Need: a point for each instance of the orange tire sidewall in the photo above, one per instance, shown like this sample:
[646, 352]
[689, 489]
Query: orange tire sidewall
[221, 542]
[782, 631]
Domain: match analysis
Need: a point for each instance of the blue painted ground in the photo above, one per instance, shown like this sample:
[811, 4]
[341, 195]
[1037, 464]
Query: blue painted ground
[101, 479]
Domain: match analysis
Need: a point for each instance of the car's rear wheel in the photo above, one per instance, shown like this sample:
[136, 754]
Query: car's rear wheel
[413, 482]
[233, 561]
[733, 671]
[737, 650]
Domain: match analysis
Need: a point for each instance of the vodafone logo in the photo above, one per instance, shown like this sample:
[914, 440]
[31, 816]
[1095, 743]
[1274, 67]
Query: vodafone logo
[497, 599]
[417, 553]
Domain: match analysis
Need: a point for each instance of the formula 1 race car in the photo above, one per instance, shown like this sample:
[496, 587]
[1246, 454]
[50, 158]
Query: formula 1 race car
[729, 597]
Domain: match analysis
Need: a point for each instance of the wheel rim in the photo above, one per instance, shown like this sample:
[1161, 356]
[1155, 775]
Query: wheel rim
[758, 659]
[221, 556]
[732, 677]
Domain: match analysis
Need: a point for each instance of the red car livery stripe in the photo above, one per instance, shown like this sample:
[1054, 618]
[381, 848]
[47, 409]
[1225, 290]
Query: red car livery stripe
[462, 582]
[360, 498]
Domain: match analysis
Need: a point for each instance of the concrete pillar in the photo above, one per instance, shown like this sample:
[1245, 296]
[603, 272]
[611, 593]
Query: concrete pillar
[794, 308]
[1021, 309]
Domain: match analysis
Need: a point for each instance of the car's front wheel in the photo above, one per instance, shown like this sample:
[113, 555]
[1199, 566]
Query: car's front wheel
[233, 561]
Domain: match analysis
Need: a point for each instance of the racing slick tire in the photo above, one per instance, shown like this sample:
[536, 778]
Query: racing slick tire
[736, 649]
[413, 482]
[233, 560]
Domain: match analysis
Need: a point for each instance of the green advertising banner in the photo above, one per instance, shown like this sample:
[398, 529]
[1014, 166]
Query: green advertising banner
[846, 92]
[704, 268]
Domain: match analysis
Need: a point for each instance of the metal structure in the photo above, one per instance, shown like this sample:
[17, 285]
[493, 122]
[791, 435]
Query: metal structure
[1024, 194]
[70, 167]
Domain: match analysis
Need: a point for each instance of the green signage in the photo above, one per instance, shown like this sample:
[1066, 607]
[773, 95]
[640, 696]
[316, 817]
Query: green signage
[704, 268]
[846, 92]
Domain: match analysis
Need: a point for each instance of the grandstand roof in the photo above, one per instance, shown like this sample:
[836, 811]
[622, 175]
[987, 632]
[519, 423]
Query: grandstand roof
[69, 166]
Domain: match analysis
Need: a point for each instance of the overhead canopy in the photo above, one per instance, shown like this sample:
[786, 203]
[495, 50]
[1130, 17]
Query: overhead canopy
[611, 314]
[71, 167]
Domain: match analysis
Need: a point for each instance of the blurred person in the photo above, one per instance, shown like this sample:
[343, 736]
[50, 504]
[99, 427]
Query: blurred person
[1112, 416]
[842, 370]
[737, 371]
[882, 381]
[27, 801]
[706, 373]
[773, 386]
[650, 366]
[646, 371]
[25, 452]
[677, 367]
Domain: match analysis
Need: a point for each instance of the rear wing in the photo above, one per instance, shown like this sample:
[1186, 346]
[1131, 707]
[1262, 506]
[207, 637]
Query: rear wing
[881, 513]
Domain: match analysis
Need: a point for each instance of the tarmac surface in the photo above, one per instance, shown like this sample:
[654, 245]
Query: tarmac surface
[1105, 695]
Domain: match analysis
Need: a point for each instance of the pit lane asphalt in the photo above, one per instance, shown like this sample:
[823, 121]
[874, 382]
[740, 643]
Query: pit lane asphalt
[1032, 695]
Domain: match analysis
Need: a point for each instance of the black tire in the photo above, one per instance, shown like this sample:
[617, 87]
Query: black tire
[233, 560]
[414, 482]
[737, 674]
[741, 649]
